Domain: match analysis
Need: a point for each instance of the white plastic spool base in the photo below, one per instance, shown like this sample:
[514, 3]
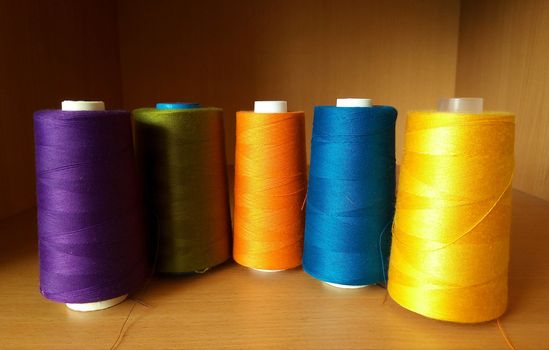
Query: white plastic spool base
[262, 270]
[354, 102]
[345, 286]
[351, 102]
[102, 304]
[461, 105]
[270, 107]
[98, 305]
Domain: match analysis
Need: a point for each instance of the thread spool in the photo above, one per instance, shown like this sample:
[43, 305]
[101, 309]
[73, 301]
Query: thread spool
[53, 130]
[181, 155]
[350, 206]
[69, 105]
[351, 102]
[450, 251]
[270, 107]
[269, 131]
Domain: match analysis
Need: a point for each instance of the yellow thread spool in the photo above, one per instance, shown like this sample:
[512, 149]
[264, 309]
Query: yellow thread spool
[450, 250]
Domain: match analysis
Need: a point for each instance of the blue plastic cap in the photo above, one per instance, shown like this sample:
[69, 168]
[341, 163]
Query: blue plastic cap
[177, 105]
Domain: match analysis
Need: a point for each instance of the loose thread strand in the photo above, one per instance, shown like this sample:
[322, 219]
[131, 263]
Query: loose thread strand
[122, 332]
[136, 300]
[504, 335]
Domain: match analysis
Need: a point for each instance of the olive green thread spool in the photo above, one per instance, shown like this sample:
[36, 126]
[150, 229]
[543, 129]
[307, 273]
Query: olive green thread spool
[181, 158]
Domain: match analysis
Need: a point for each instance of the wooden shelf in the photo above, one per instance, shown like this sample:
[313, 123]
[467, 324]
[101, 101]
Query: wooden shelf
[232, 307]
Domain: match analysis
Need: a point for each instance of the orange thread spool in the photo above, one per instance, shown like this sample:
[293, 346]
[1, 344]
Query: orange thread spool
[270, 188]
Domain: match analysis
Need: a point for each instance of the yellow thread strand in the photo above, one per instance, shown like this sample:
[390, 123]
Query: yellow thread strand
[450, 250]
[504, 335]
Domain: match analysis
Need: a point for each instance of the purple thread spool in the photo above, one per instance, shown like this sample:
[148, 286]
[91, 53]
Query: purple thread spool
[91, 239]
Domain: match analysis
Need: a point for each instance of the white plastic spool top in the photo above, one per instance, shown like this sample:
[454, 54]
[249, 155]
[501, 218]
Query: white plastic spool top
[351, 102]
[270, 107]
[69, 105]
[461, 105]
[354, 102]
[102, 304]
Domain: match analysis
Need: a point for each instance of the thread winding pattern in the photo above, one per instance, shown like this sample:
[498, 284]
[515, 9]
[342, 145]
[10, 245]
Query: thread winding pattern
[90, 228]
[450, 250]
[181, 157]
[270, 186]
[351, 195]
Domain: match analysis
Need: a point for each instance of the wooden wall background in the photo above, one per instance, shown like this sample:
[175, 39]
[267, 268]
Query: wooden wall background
[308, 52]
[49, 51]
[504, 57]
[229, 53]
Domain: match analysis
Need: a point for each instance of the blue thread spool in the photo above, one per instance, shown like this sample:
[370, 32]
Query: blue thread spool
[351, 195]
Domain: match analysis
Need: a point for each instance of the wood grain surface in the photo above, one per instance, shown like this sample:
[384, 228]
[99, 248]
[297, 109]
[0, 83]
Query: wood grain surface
[232, 307]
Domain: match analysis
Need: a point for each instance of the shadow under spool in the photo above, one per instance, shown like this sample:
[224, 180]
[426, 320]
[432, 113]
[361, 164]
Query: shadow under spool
[181, 158]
